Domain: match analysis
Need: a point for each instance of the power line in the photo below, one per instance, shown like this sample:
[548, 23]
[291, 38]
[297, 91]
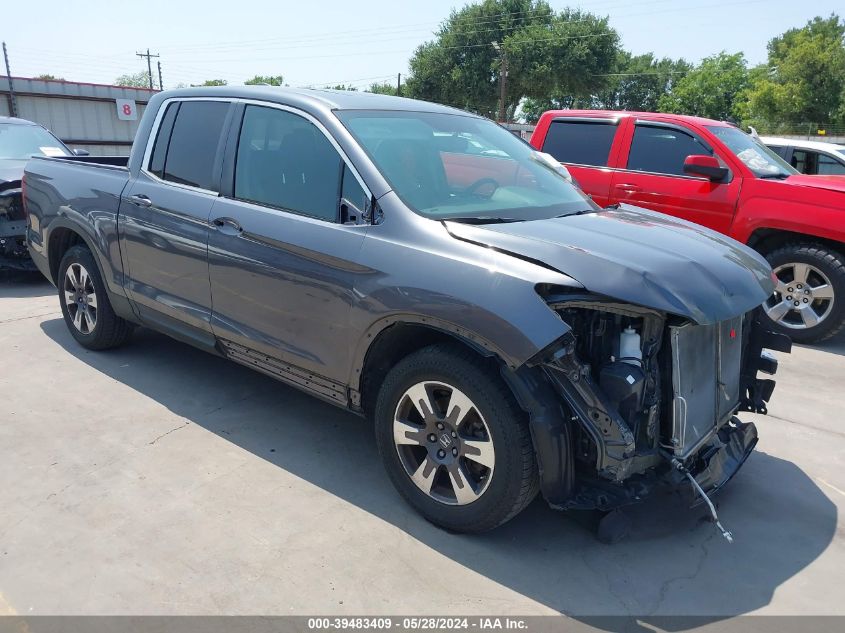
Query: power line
[292, 42]
[197, 66]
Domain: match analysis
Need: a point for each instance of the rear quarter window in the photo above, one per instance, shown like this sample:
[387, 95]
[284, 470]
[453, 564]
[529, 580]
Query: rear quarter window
[580, 142]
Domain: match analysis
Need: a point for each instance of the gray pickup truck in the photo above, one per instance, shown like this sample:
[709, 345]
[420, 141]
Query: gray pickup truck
[425, 268]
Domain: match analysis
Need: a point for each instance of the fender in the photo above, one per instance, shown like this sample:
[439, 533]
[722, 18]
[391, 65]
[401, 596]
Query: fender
[370, 336]
[96, 243]
[762, 212]
[549, 420]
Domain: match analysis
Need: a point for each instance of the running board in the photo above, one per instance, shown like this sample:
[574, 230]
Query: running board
[286, 372]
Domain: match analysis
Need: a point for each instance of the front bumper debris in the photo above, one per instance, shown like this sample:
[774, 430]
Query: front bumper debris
[724, 455]
[718, 462]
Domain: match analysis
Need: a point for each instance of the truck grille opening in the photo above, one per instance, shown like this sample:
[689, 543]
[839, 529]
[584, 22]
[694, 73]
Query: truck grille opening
[705, 379]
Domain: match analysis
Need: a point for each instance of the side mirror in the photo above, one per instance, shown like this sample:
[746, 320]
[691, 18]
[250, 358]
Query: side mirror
[81, 152]
[707, 166]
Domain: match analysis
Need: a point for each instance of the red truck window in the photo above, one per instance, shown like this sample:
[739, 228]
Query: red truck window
[662, 150]
[580, 142]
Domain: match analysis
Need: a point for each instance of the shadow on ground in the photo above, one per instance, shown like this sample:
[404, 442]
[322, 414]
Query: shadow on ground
[674, 563]
[24, 285]
[835, 345]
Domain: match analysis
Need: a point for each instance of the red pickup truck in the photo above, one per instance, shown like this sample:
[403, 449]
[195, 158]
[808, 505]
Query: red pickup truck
[712, 173]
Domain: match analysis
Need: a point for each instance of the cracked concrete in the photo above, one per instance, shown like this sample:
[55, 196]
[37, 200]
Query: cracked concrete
[267, 501]
[173, 430]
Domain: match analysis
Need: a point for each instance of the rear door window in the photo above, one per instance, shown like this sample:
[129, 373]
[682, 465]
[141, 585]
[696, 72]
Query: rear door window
[580, 142]
[663, 150]
[194, 143]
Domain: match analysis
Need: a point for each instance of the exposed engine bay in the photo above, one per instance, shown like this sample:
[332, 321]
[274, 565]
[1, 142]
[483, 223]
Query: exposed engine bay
[652, 400]
[13, 251]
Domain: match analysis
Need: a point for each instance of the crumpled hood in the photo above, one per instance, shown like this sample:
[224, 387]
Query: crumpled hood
[11, 170]
[640, 257]
[829, 182]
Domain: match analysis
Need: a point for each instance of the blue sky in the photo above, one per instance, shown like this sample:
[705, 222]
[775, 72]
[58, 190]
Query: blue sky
[338, 41]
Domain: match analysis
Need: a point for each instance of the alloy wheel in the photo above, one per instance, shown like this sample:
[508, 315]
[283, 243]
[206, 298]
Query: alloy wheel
[444, 443]
[80, 298]
[803, 297]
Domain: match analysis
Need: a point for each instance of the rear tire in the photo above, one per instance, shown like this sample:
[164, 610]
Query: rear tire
[809, 302]
[463, 458]
[85, 303]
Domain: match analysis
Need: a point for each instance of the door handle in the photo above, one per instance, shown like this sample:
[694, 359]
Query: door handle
[228, 226]
[141, 200]
[628, 188]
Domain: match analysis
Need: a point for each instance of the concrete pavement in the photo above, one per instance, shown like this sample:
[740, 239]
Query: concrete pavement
[156, 479]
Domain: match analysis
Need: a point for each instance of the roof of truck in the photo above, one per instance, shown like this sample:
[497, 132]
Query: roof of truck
[333, 99]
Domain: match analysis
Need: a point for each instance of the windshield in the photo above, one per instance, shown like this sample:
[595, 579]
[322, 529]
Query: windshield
[450, 166]
[757, 157]
[23, 141]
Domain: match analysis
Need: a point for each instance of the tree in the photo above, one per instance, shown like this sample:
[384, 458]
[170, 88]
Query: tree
[48, 77]
[546, 52]
[270, 80]
[634, 83]
[712, 89]
[384, 88]
[213, 82]
[531, 108]
[135, 80]
[639, 81]
[804, 81]
[344, 87]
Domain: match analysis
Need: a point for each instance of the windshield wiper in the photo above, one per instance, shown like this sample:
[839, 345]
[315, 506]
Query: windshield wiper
[479, 220]
[580, 212]
[778, 176]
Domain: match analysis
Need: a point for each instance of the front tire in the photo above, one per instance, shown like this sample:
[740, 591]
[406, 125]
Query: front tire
[85, 303]
[809, 302]
[454, 443]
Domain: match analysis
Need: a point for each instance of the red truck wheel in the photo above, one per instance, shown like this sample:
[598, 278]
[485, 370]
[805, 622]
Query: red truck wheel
[809, 301]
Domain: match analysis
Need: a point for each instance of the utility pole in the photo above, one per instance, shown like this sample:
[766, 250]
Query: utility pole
[13, 105]
[399, 84]
[160, 82]
[503, 81]
[149, 65]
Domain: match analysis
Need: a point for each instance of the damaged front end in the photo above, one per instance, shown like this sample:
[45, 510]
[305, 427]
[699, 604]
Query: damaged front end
[651, 400]
[13, 251]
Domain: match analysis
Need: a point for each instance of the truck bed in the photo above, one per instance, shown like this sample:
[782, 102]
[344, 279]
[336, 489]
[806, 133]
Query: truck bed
[119, 162]
[83, 192]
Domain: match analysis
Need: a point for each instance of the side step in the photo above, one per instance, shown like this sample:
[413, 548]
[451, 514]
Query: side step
[286, 372]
